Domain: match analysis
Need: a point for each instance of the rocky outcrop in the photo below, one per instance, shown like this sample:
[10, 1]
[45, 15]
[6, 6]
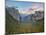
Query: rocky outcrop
[34, 17]
[13, 12]
[38, 15]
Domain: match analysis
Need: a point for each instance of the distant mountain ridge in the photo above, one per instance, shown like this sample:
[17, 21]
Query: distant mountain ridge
[25, 17]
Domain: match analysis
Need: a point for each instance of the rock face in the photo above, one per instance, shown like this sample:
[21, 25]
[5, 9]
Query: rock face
[13, 12]
[38, 15]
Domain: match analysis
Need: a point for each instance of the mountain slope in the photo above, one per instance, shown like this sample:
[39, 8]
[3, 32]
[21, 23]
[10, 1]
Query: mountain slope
[11, 23]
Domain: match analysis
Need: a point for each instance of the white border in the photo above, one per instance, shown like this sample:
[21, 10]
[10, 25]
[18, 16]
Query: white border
[2, 17]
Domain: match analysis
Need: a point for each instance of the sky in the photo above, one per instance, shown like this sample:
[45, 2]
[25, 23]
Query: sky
[21, 4]
[18, 4]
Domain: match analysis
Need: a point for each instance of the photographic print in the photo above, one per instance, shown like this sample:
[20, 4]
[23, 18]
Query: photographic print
[24, 17]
